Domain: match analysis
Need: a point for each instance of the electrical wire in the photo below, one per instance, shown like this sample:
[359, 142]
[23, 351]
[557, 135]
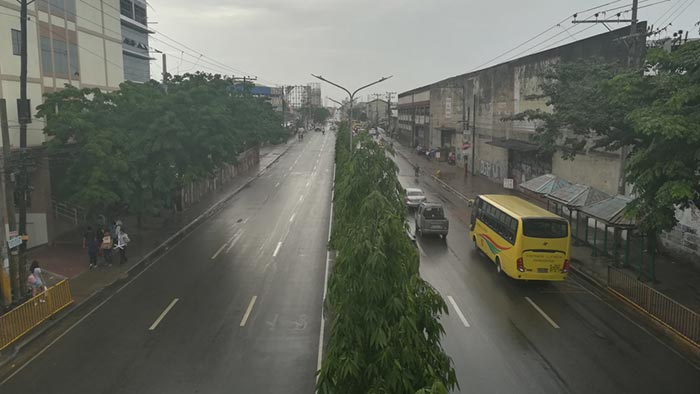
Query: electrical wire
[672, 6]
[674, 16]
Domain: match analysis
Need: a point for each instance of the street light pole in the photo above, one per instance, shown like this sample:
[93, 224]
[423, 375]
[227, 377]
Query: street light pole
[352, 95]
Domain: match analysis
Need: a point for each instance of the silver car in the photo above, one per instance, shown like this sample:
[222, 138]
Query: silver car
[414, 197]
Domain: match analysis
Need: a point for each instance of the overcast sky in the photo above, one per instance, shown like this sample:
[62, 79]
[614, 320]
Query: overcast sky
[353, 42]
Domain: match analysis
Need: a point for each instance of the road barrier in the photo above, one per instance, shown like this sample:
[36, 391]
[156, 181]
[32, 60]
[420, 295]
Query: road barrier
[673, 315]
[19, 321]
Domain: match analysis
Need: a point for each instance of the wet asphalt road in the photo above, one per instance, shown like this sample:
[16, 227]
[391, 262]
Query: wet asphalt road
[248, 284]
[502, 343]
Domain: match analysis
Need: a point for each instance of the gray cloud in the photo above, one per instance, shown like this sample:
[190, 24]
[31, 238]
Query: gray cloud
[354, 42]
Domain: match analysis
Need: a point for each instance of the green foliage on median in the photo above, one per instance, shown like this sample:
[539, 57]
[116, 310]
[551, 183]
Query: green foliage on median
[138, 145]
[385, 333]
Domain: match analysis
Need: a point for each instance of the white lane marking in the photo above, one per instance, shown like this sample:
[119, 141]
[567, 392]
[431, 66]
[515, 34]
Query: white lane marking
[277, 184]
[246, 220]
[290, 167]
[277, 249]
[219, 251]
[292, 218]
[308, 183]
[162, 315]
[549, 319]
[301, 198]
[247, 312]
[314, 170]
[233, 241]
[459, 312]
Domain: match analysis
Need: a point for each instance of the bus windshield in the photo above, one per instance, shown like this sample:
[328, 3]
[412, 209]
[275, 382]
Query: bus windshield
[545, 228]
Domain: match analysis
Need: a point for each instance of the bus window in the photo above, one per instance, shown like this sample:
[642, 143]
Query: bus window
[545, 228]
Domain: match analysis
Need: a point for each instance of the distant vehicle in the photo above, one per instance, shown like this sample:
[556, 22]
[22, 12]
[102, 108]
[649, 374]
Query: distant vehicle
[414, 197]
[430, 219]
[522, 239]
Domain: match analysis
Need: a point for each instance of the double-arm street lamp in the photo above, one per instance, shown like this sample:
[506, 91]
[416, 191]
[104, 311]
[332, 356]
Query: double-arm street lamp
[352, 95]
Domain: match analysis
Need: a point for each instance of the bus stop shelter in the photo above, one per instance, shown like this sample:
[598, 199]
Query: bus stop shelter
[610, 214]
[544, 184]
[573, 198]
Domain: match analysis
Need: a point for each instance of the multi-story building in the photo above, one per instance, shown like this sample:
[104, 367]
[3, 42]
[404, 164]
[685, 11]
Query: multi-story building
[465, 114]
[68, 42]
[378, 112]
[135, 31]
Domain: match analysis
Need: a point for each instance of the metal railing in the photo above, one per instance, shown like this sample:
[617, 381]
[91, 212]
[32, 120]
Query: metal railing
[19, 321]
[67, 211]
[679, 318]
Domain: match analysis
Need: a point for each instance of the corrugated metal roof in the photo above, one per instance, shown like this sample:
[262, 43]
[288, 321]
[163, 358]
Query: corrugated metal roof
[545, 184]
[516, 145]
[577, 195]
[610, 210]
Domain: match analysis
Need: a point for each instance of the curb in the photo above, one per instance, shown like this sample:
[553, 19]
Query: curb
[12, 351]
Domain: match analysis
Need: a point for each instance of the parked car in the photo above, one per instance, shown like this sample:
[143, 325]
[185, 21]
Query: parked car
[430, 219]
[414, 197]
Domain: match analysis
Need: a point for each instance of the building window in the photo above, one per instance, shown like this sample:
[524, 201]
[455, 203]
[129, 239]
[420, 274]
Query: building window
[140, 14]
[46, 57]
[73, 58]
[16, 42]
[127, 8]
[60, 57]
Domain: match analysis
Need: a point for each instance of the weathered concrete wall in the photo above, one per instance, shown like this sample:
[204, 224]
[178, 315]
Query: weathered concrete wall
[684, 240]
[599, 170]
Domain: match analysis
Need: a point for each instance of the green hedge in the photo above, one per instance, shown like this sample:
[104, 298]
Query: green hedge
[385, 333]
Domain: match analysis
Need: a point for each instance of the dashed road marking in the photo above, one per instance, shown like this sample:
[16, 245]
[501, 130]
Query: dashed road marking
[459, 312]
[162, 315]
[549, 319]
[247, 312]
[277, 249]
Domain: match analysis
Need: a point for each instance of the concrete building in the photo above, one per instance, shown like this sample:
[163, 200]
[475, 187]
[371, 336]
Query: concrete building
[378, 112]
[134, 28]
[68, 42]
[443, 115]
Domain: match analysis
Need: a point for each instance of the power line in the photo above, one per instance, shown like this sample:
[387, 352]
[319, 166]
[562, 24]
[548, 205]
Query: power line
[675, 15]
[672, 6]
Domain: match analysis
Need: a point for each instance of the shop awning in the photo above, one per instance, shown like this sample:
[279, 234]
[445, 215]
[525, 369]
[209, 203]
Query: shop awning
[516, 145]
[610, 211]
[577, 195]
[545, 184]
[450, 129]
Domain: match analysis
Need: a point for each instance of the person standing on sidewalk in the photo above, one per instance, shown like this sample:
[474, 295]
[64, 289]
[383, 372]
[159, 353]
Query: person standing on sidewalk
[106, 246]
[122, 241]
[93, 247]
[38, 284]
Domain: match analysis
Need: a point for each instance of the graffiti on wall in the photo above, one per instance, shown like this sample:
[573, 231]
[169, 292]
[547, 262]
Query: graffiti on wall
[490, 170]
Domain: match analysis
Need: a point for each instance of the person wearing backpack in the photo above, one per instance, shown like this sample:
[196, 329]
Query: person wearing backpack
[122, 241]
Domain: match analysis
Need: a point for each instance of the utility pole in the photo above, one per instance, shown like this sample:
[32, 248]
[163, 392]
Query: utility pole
[389, 95]
[4, 228]
[376, 115]
[633, 58]
[284, 120]
[9, 221]
[25, 116]
[165, 68]
[474, 138]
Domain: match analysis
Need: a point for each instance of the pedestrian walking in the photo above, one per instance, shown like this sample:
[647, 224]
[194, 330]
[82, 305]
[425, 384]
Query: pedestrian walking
[122, 242]
[36, 280]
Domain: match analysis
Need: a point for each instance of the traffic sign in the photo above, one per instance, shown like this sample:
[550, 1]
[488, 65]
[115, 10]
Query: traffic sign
[14, 242]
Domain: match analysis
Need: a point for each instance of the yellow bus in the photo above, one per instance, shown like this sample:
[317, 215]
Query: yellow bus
[523, 240]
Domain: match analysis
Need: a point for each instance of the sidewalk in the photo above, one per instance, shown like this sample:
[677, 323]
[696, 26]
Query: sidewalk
[66, 258]
[677, 280]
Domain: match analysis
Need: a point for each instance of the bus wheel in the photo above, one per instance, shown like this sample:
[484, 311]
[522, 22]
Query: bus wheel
[498, 266]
